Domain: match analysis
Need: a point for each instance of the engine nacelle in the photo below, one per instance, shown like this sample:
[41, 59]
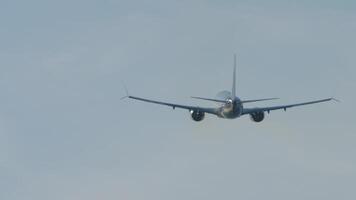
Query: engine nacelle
[257, 117]
[197, 115]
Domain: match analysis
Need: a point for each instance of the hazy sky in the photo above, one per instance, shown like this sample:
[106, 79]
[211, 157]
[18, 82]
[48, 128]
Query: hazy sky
[65, 134]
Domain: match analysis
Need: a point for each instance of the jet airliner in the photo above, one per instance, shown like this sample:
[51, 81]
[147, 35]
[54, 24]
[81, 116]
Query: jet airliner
[231, 106]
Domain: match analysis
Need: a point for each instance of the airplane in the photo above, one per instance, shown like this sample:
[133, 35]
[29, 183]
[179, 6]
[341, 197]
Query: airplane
[231, 106]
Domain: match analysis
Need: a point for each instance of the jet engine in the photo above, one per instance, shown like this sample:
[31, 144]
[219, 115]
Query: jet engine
[257, 117]
[197, 115]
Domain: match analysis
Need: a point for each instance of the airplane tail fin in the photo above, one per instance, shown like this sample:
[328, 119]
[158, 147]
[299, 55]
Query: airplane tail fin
[233, 92]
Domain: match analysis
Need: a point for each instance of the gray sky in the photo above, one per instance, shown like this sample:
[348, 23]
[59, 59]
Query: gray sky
[65, 134]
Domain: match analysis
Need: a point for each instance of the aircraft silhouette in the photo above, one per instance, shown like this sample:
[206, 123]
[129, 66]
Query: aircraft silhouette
[231, 106]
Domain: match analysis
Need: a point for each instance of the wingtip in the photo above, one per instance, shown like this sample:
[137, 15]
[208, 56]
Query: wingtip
[125, 97]
[334, 99]
[126, 91]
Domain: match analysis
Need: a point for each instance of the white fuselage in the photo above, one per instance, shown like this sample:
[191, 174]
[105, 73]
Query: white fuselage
[232, 109]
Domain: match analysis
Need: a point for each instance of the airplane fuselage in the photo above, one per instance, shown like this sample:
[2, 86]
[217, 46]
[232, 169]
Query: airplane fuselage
[232, 109]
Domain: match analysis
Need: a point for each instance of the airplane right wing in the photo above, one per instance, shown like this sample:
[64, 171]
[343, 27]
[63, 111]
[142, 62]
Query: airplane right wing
[268, 109]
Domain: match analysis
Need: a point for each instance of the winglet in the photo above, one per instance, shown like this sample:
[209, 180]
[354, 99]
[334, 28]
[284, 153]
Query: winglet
[336, 100]
[127, 92]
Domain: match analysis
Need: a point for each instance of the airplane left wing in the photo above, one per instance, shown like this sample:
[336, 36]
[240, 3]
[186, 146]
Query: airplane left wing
[213, 111]
[268, 109]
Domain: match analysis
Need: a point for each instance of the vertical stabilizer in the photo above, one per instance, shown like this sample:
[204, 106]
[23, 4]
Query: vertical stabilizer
[233, 92]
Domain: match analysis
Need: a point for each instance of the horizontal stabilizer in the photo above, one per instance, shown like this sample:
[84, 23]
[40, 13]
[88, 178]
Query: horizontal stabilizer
[207, 99]
[255, 100]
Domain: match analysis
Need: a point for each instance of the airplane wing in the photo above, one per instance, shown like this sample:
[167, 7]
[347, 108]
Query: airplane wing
[213, 111]
[268, 109]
